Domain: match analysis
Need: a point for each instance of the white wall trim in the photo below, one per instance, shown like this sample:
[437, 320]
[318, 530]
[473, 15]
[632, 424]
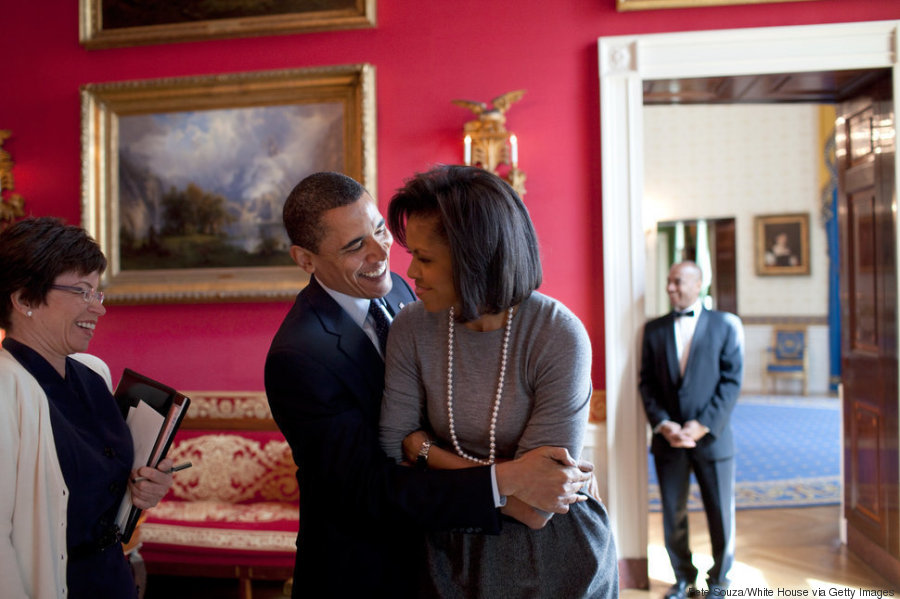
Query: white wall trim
[624, 62]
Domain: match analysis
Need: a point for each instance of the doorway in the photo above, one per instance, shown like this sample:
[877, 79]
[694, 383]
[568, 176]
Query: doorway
[710, 243]
[625, 63]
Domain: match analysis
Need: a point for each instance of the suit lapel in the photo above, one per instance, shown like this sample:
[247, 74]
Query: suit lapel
[393, 304]
[697, 341]
[671, 350]
[353, 344]
[398, 297]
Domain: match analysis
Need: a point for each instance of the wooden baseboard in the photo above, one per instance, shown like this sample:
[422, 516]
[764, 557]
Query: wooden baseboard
[874, 555]
[633, 573]
[219, 571]
[775, 320]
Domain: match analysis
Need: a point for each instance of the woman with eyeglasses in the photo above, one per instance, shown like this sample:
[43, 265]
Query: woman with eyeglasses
[65, 451]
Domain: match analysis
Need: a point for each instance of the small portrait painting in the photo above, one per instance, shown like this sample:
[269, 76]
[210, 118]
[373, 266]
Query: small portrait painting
[782, 244]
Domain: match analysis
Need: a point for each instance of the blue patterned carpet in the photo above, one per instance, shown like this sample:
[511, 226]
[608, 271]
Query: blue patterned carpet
[788, 453]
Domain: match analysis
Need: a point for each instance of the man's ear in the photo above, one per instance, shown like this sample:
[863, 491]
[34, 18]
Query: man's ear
[303, 258]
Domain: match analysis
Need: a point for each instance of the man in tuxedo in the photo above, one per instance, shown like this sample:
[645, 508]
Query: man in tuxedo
[691, 369]
[361, 514]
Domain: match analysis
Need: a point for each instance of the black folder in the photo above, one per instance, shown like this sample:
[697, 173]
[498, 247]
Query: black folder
[133, 390]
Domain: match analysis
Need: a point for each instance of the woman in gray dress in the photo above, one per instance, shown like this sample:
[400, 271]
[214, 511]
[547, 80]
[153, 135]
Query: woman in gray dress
[481, 370]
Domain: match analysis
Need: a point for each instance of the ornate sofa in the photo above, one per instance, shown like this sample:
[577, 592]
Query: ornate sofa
[235, 512]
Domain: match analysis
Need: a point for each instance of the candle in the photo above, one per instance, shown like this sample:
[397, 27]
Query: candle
[468, 150]
[514, 145]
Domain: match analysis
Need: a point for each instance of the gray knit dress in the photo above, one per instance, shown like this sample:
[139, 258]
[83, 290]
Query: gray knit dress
[545, 401]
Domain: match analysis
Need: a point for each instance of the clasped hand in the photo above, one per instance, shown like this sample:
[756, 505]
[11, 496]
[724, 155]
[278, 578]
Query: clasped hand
[537, 484]
[547, 478]
[683, 436]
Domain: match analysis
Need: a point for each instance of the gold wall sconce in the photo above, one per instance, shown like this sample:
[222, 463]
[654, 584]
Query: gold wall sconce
[12, 206]
[488, 144]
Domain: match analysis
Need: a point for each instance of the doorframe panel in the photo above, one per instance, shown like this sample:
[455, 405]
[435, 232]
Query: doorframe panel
[624, 63]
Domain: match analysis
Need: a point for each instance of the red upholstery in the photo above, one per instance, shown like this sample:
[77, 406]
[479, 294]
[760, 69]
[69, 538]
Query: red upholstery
[235, 512]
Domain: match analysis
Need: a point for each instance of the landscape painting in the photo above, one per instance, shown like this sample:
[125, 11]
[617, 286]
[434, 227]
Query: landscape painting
[206, 189]
[186, 178]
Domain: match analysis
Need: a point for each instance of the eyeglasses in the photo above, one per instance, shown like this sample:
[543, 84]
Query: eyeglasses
[89, 295]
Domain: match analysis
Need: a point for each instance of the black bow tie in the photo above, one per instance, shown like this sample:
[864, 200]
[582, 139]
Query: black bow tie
[685, 313]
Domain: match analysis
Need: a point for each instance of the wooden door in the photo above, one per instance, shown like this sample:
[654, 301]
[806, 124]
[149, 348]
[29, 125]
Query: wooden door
[865, 152]
[725, 265]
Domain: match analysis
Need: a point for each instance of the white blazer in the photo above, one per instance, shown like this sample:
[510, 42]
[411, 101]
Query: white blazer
[33, 494]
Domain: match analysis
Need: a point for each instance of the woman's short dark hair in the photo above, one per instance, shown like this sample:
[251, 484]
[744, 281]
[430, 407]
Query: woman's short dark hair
[310, 199]
[34, 252]
[493, 246]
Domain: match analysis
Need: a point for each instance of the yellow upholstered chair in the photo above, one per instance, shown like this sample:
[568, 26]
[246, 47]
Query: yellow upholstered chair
[787, 357]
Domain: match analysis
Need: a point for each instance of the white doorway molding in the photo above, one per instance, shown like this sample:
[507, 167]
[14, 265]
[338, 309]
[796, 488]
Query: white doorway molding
[624, 63]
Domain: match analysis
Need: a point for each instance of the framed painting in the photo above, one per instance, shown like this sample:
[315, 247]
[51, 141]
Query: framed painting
[782, 244]
[622, 5]
[184, 179]
[111, 23]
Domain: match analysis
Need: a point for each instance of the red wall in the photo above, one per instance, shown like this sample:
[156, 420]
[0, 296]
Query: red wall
[425, 54]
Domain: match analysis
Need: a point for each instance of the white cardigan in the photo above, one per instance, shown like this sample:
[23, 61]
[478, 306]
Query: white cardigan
[33, 494]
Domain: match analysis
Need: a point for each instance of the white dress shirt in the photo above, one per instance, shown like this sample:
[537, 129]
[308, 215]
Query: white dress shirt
[683, 329]
[684, 333]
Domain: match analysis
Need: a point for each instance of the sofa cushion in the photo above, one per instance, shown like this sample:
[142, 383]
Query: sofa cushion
[238, 504]
[233, 467]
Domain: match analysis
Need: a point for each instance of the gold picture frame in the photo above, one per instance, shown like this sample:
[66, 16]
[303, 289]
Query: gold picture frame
[625, 5]
[183, 179]
[782, 244]
[147, 23]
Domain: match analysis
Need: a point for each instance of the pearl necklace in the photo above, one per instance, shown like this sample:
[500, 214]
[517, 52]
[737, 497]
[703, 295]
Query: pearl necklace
[503, 356]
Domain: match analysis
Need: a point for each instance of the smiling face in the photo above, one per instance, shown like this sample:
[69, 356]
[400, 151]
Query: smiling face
[353, 254]
[65, 323]
[683, 285]
[432, 267]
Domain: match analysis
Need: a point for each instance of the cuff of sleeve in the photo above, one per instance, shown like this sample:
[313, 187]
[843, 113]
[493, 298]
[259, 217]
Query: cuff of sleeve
[659, 426]
[499, 500]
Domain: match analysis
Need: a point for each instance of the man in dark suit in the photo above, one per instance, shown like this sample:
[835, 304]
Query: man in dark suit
[691, 369]
[360, 513]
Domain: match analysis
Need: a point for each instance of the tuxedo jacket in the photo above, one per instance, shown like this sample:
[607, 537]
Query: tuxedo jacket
[360, 513]
[709, 388]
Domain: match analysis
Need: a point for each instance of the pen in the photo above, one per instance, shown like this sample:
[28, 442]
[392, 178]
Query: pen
[169, 471]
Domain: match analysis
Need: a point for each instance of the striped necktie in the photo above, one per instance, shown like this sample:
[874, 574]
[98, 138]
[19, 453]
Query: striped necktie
[382, 323]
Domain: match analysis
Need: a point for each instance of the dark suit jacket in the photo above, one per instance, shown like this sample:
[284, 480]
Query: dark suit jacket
[711, 383]
[359, 511]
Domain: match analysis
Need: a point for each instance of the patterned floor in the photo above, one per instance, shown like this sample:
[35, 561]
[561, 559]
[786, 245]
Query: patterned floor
[788, 453]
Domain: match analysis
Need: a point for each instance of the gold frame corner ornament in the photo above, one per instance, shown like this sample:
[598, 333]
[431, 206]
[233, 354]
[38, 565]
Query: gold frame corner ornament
[352, 86]
[12, 205]
[93, 35]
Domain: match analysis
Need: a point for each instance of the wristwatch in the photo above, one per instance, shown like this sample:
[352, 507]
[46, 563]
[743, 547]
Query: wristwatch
[422, 457]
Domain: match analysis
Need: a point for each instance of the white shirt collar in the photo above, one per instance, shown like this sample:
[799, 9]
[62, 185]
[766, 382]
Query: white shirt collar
[356, 307]
[696, 307]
